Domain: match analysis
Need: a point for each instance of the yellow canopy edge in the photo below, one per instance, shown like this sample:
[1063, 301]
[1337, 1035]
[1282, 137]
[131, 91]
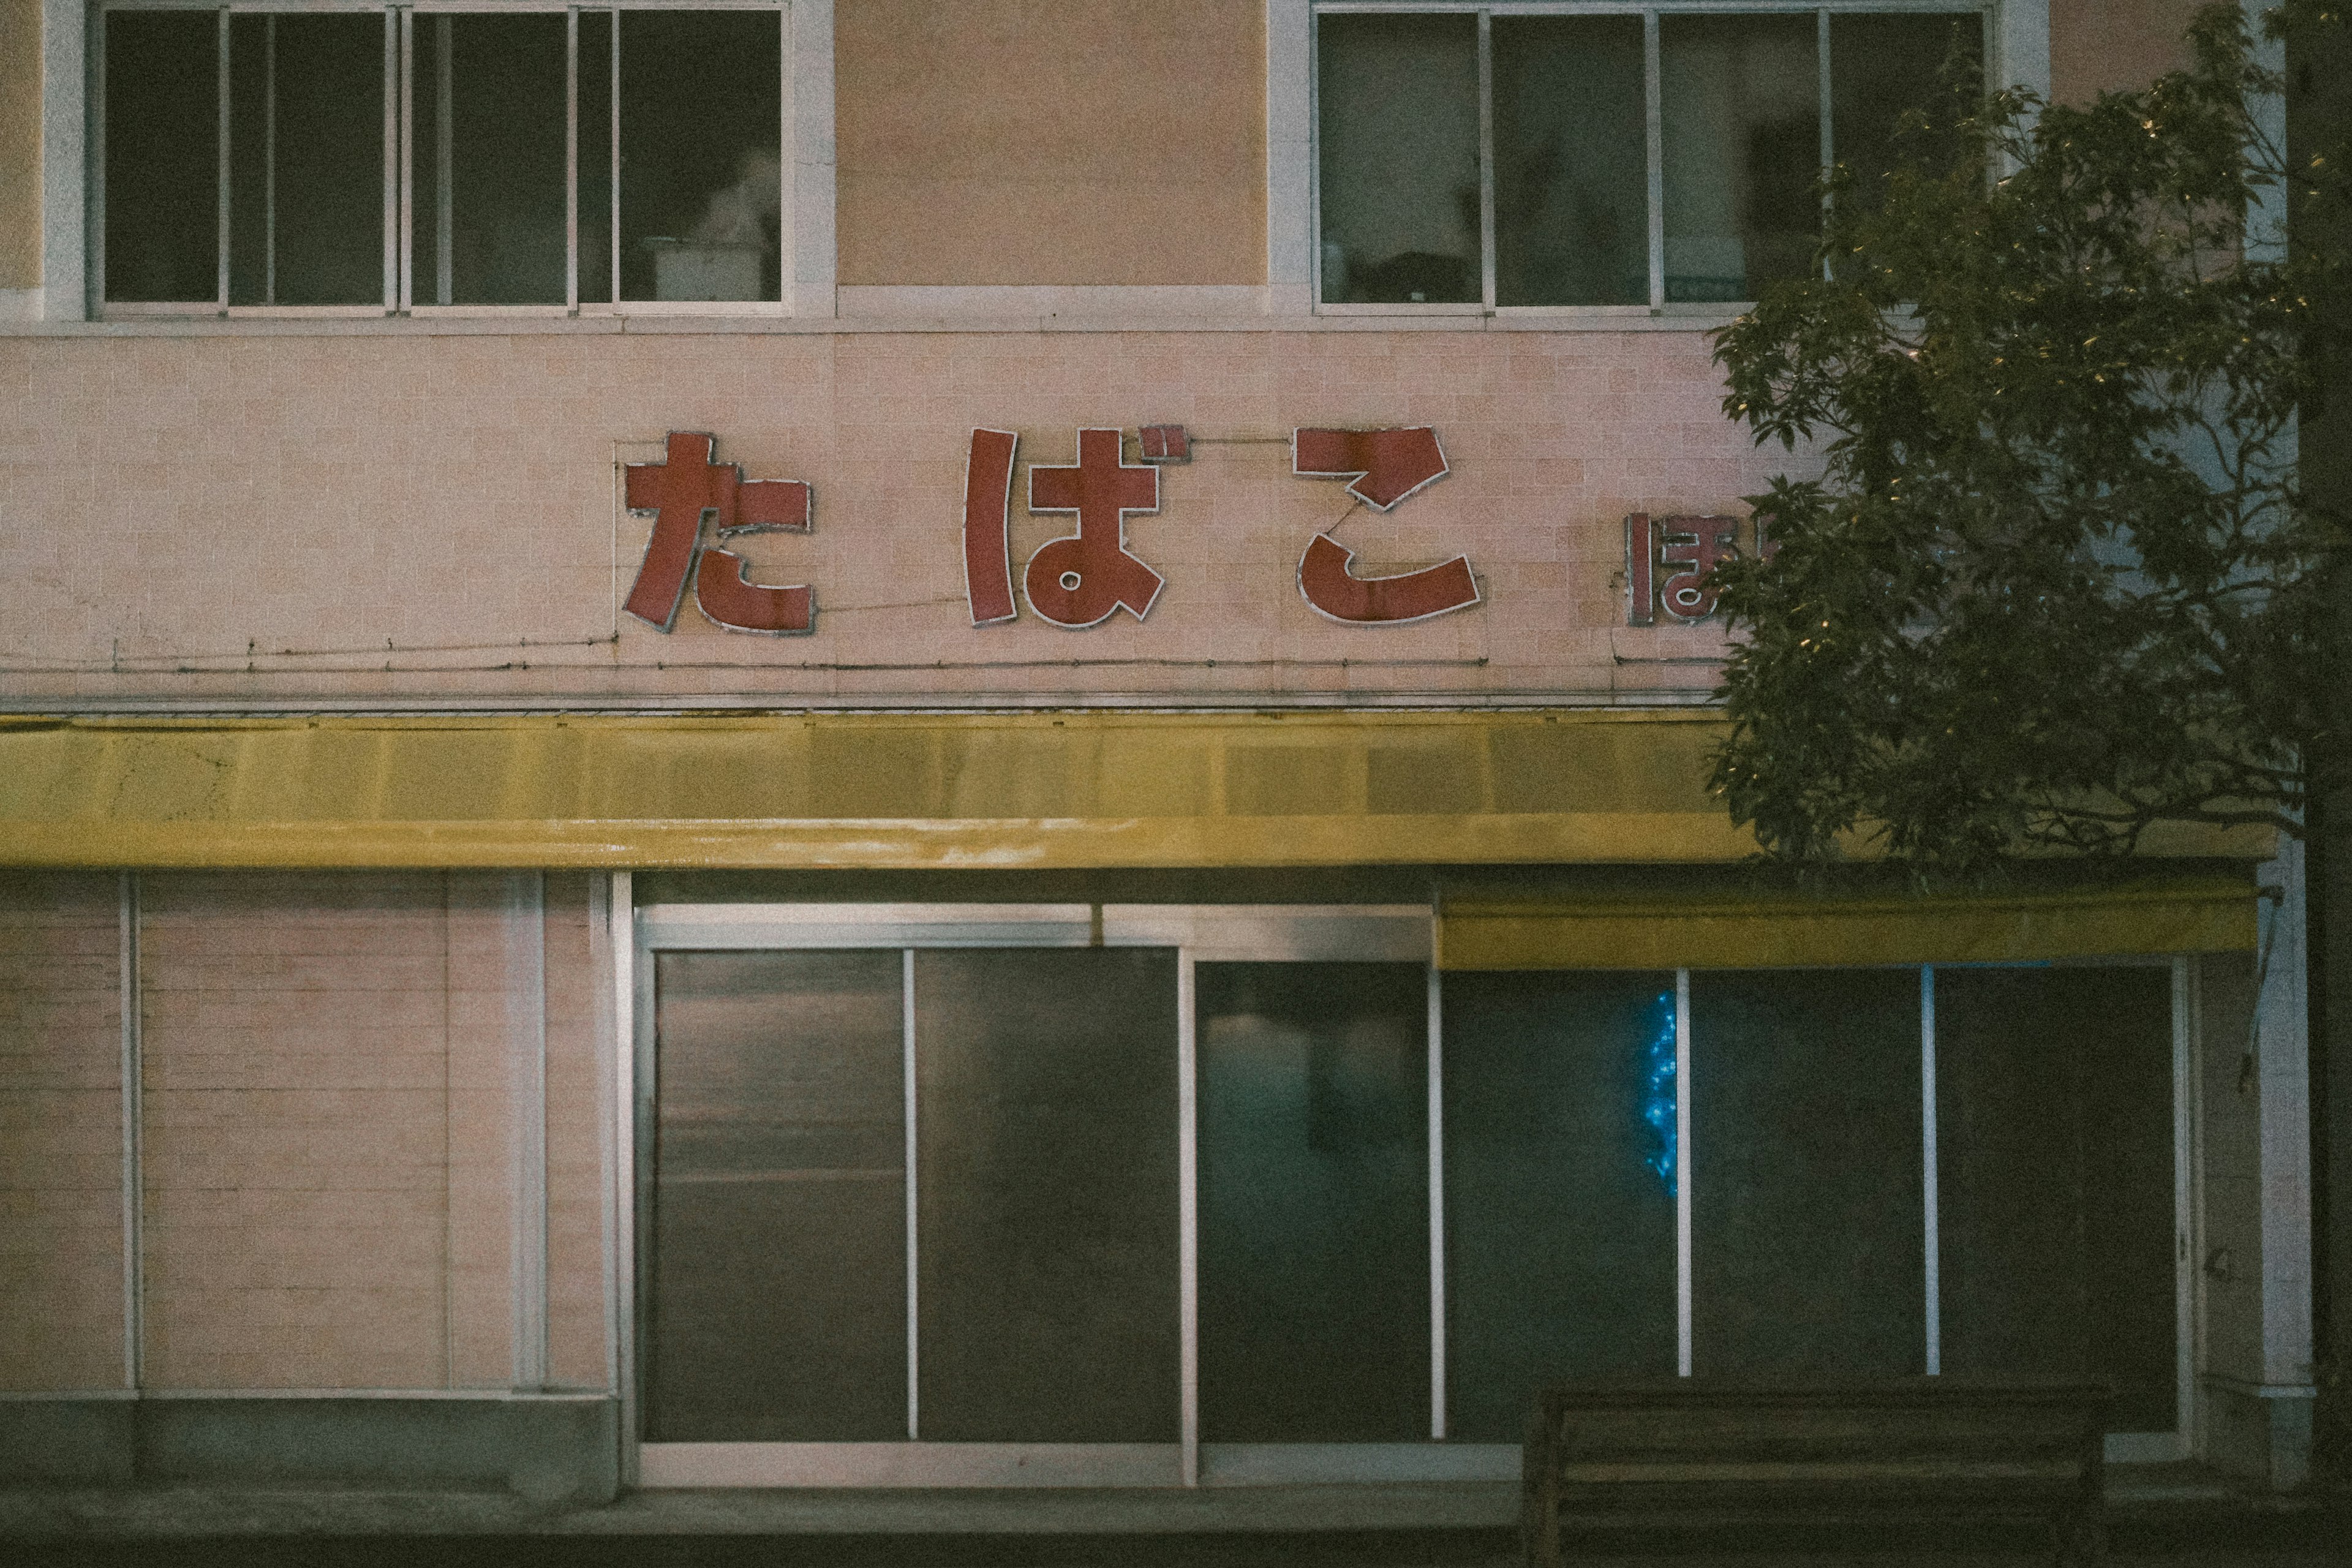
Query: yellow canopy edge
[2206, 913]
[1037, 790]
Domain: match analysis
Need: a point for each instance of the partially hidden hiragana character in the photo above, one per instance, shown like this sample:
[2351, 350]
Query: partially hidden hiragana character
[1695, 544]
[683, 492]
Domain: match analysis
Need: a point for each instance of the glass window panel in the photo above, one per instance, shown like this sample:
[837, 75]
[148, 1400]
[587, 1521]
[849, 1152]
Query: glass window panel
[1397, 107]
[1046, 1167]
[163, 142]
[252, 175]
[1571, 190]
[1314, 1206]
[1740, 100]
[779, 1305]
[1807, 1207]
[701, 154]
[596, 156]
[488, 212]
[2053, 1116]
[1560, 1202]
[1884, 67]
[321, 142]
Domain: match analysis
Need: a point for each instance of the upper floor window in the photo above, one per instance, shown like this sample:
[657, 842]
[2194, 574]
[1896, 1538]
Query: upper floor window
[1495, 156]
[371, 159]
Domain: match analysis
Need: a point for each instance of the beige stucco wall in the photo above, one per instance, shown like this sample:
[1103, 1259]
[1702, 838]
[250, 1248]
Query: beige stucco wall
[327, 1132]
[2100, 46]
[1026, 142]
[20, 143]
[437, 515]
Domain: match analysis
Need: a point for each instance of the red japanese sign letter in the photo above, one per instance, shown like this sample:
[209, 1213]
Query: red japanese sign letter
[1328, 584]
[987, 527]
[732, 600]
[1078, 580]
[1696, 542]
[1382, 467]
[680, 493]
[1641, 570]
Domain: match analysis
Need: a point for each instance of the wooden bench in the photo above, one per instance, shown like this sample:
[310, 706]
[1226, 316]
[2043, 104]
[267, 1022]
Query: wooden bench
[1611, 1459]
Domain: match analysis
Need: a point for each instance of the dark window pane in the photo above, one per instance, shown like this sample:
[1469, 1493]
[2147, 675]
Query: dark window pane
[1571, 191]
[1560, 1202]
[250, 40]
[2053, 1116]
[779, 1264]
[1398, 108]
[1045, 1166]
[701, 154]
[162, 168]
[488, 214]
[1883, 68]
[1739, 98]
[312, 226]
[596, 155]
[1314, 1201]
[1808, 1252]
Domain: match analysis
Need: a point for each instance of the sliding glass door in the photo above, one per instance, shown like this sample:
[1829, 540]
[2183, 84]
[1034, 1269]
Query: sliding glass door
[1103, 1194]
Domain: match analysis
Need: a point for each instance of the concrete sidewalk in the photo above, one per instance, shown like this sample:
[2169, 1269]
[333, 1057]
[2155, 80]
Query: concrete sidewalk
[2173, 1516]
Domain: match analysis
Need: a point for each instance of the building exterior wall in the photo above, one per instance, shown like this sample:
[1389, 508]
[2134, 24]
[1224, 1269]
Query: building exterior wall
[327, 1134]
[1020, 143]
[374, 1129]
[2110, 45]
[381, 516]
[60, 1132]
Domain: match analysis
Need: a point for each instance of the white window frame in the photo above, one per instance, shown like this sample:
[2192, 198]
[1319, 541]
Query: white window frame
[74, 152]
[2017, 35]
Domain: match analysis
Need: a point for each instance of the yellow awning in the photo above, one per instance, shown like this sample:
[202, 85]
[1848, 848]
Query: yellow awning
[1087, 789]
[2198, 912]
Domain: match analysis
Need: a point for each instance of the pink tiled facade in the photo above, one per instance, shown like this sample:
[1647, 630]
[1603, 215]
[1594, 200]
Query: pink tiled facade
[60, 1132]
[373, 516]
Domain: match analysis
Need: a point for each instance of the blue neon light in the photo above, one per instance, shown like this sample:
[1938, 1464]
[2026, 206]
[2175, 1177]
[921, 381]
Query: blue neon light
[1658, 1092]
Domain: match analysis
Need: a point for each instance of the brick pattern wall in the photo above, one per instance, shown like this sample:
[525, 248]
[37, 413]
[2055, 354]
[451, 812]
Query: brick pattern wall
[60, 1132]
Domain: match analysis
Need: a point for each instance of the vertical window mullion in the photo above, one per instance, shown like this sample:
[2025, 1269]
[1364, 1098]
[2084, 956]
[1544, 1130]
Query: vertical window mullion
[221, 205]
[1486, 188]
[1436, 1042]
[571, 159]
[1931, 1220]
[1188, 1219]
[1654, 132]
[914, 1215]
[1683, 1358]
[1828, 145]
[444, 156]
[391, 160]
[407, 245]
[612, 237]
[270, 161]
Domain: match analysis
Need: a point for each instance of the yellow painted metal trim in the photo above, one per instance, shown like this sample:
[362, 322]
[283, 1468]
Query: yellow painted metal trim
[2205, 914]
[935, 790]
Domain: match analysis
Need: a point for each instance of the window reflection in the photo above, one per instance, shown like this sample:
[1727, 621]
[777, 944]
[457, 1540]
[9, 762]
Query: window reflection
[1399, 99]
[1740, 107]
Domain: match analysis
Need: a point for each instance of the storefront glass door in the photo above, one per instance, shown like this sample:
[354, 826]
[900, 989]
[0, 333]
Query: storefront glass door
[1148, 1195]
